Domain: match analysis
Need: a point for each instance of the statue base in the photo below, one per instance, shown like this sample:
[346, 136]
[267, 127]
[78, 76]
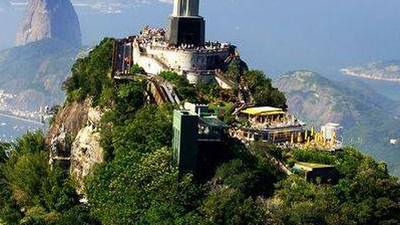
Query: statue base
[186, 30]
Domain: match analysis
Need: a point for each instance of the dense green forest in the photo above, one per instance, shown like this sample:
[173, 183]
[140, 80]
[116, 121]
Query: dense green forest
[138, 183]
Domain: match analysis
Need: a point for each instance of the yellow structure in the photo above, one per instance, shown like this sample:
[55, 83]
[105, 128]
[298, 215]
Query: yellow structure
[267, 116]
[269, 124]
[318, 140]
[311, 166]
[274, 125]
[263, 111]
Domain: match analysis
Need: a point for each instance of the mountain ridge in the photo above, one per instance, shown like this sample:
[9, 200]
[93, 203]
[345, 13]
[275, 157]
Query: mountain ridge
[369, 119]
[34, 73]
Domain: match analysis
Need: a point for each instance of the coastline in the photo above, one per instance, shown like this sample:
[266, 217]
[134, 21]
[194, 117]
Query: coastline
[369, 77]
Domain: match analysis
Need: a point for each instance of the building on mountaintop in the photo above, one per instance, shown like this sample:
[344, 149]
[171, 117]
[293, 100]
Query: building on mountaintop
[276, 126]
[180, 48]
[268, 124]
[185, 146]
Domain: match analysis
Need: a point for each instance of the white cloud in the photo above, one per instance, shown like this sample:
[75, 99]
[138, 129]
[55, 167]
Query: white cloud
[102, 6]
[114, 6]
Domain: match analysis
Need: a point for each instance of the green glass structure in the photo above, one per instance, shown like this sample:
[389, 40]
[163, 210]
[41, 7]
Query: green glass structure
[185, 142]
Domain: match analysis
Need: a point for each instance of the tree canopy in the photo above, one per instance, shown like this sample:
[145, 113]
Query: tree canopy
[32, 192]
[139, 184]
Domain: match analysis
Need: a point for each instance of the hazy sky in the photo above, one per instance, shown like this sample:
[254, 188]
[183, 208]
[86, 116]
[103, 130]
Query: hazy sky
[292, 34]
[273, 35]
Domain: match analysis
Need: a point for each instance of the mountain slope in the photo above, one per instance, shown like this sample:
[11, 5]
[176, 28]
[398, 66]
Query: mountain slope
[33, 73]
[50, 19]
[369, 119]
[138, 181]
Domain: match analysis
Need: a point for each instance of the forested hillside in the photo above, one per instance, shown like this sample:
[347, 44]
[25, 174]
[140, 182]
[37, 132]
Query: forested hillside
[138, 182]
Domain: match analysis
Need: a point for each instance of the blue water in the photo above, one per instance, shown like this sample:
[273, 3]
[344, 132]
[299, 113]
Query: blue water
[10, 129]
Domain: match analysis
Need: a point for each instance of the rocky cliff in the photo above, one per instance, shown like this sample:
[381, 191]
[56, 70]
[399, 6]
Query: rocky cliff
[86, 151]
[74, 137]
[46, 19]
[71, 118]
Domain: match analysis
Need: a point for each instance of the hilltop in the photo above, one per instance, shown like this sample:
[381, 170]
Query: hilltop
[135, 180]
[369, 119]
[46, 19]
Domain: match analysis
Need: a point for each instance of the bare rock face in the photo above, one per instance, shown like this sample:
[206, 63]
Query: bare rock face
[74, 138]
[72, 118]
[86, 152]
[50, 19]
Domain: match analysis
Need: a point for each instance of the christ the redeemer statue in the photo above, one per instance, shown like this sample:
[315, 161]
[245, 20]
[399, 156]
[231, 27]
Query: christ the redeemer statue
[185, 24]
[186, 8]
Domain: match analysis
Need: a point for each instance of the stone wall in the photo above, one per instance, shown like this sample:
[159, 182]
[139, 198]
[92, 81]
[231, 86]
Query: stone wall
[197, 66]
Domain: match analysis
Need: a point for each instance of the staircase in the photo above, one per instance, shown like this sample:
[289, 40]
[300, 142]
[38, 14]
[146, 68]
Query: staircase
[163, 92]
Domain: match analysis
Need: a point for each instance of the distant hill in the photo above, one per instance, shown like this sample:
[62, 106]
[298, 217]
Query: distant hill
[49, 39]
[389, 71]
[50, 19]
[369, 119]
[34, 73]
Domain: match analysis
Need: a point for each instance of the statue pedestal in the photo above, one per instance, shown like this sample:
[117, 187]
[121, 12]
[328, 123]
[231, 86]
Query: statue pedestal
[186, 30]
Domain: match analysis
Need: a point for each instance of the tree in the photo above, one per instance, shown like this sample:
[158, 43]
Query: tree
[3, 152]
[184, 89]
[228, 206]
[365, 194]
[141, 190]
[31, 191]
[234, 72]
[263, 92]
[150, 129]
[90, 75]
[78, 215]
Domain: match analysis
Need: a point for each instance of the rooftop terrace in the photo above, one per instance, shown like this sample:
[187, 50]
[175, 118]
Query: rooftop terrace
[156, 38]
